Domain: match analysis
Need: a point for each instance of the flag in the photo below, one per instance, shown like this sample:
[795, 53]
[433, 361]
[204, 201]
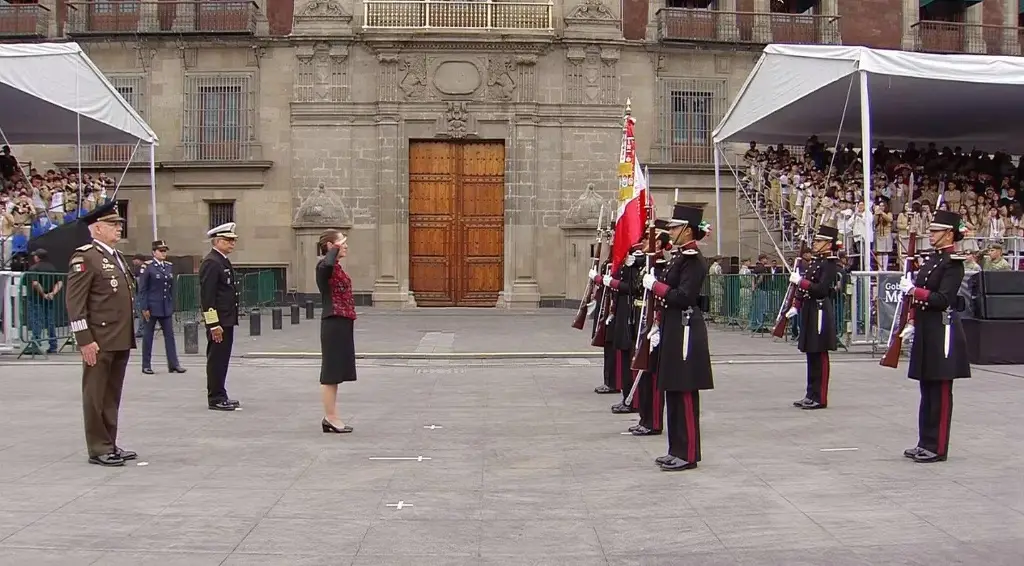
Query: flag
[631, 214]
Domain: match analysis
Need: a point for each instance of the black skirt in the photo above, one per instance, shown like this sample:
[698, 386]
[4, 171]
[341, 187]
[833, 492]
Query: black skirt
[338, 350]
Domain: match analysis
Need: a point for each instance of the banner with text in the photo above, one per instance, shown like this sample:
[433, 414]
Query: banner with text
[888, 299]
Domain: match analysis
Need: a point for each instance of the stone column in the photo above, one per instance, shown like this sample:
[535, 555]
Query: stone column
[762, 21]
[974, 41]
[1011, 39]
[725, 27]
[521, 289]
[652, 19]
[829, 29]
[911, 15]
[388, 291]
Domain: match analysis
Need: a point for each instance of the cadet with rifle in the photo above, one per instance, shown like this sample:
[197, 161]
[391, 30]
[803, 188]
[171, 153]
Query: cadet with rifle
[939, 351]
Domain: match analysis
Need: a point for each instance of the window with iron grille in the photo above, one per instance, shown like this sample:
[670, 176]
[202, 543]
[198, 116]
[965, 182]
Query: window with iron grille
[122, 210]
[689, 110]
[219, 117]
[221, 213]
[130, 87]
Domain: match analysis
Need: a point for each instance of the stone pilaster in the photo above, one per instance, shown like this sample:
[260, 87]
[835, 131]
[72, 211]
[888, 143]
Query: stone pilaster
[1011, 38]
[829, 30]
[725, 26]
[911, 15]
[521, 289]
[762, 21]
[388, 291]
[974, 41]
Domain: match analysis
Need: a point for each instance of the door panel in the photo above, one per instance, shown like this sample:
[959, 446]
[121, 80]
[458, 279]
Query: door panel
[456, 222]
[431, 224]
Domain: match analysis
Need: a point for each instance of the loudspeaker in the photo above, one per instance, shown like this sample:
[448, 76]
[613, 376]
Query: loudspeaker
[1001, 283]
[999, 307]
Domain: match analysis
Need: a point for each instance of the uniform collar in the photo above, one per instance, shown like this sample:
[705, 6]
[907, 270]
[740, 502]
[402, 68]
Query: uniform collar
[222, 254]
[948, 249]
[105, 247]
[691, 245]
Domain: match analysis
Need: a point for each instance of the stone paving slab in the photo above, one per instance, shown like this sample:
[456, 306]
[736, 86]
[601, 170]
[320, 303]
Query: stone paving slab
[523, 465]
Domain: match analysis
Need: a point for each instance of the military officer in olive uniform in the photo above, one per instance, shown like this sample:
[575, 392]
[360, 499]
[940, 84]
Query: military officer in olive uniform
[100, 303]
[156, 299]
[218, 297]
[818, 316]
[939, 351]
[684, 353]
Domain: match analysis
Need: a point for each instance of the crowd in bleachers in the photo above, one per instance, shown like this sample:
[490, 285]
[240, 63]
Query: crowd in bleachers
[33, 202]
[816, 184]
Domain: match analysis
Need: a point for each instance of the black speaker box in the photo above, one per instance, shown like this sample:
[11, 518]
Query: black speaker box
[1001, 283]
[999, 307]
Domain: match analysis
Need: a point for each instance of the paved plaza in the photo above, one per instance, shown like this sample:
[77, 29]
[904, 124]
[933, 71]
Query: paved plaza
[504, 461]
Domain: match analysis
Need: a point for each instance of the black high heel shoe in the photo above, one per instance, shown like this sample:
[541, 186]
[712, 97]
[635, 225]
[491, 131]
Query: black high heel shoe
[328, 427]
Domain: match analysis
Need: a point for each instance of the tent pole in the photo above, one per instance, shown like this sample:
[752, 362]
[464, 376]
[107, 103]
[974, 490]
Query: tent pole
[718, 200]
[152, 186]
[78, 142]
[865, 143]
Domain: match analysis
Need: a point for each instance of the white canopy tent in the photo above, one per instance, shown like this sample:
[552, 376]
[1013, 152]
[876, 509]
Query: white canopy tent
[52, 93]
[796, 91]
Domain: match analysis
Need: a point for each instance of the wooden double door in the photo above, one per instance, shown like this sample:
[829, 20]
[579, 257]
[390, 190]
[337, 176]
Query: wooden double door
[456, 222]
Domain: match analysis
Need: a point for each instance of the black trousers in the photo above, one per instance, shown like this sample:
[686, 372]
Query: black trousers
[683, 413]
[218, 355]
[651, 401]
[818, 370]
[609, 366]
[623, 373]
[935, 416]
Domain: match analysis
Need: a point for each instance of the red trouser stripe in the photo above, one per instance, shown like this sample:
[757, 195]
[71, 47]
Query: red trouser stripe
[691, 432]
[945, 407]
[656, 407]
[825, 370]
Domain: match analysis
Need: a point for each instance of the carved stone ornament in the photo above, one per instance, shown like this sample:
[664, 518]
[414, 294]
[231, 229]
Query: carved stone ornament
[412, 76]
[323, 9]
[587, 209]
[320, 77]
[590, 10]
[501, 72]
[456, 122]
[321, 208]
[592, 20]
[322, 18]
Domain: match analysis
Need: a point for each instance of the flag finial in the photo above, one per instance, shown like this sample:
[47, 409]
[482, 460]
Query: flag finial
[629, 107]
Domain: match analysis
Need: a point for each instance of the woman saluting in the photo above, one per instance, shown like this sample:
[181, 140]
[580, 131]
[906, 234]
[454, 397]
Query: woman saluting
[337, 342]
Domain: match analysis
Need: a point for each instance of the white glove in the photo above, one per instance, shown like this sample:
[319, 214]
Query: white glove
[908, 333]
[655, 337]
[649, 281]
[795, 278]
[906, 286]
[630, 260]
[791, 312]
[592, 273]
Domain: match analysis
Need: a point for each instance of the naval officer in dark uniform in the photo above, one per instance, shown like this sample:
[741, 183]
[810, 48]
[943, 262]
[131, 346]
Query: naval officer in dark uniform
[684, 358]
[939, 351]
[156, 299]
[218, 297]
[816, 288]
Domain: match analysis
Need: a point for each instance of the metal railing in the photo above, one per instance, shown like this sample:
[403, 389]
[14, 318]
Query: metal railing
[961, 37]
[31, 320]
[117, 17]
[24, 21]
[695, 24]
[457, 14]
[219, 151]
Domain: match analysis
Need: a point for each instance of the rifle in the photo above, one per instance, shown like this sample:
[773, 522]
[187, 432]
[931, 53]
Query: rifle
[891, 359]
[603, 312]
[779, 331]
[587, 302]
[642, 347]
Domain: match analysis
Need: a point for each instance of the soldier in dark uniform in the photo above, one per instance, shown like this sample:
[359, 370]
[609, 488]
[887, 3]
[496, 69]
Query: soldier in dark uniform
[218, 297]
[939, 351]
[100, 303]
[156, 298]
[684, 359]
[650, 398]
[818, 316]
[609, 385]
[626, 289]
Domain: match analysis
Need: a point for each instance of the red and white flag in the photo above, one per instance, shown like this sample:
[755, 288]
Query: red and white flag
[631, 214]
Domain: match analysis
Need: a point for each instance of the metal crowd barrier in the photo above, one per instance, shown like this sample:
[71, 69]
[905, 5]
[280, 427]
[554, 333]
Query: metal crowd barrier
[34, 325]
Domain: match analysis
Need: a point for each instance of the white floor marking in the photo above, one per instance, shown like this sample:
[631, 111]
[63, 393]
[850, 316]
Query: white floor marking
[398, 505]
[838, 449]
[417, 458]
[433, 426]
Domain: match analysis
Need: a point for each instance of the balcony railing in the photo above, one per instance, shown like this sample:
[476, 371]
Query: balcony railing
[457, 15]
[960, 37]
[121, 17]
[695, 24]
[24, 20]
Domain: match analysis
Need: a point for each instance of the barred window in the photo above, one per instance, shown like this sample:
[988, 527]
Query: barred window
[122, 210]
[219, 117]
[689, 110]
[221, 212]
[130, 87]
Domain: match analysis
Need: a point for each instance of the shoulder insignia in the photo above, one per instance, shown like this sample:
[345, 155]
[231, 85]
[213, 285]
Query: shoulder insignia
[147, 262]
[689, 252]
[956, 257]
[84, 248]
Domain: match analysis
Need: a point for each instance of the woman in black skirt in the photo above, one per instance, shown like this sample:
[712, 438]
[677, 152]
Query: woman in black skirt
[337, 343]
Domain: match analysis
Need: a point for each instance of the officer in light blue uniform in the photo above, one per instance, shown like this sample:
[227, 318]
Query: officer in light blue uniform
[156, 301]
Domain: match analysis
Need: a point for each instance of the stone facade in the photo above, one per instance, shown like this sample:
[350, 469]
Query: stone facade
[337, 103]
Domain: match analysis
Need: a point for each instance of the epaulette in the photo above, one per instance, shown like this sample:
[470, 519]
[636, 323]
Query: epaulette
[957, 257]
[832, 257]
[689, 252]
[147, 262]
[84, 248]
